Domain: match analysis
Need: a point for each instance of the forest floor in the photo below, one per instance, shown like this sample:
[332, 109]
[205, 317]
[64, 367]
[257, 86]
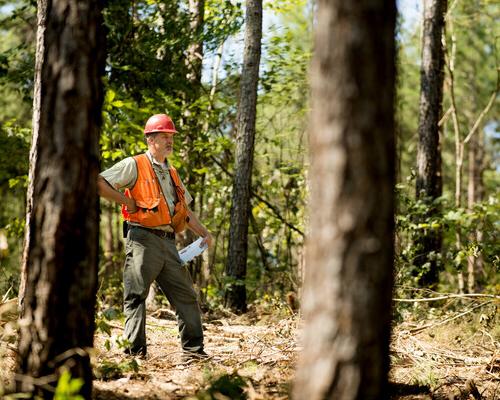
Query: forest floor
[253, 357]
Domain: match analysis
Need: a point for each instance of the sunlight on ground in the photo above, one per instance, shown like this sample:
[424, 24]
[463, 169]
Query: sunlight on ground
[253, 358]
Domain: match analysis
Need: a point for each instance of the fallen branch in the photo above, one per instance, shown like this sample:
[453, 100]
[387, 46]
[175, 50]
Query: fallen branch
[448, 296]
[115, 326]
[420, 329]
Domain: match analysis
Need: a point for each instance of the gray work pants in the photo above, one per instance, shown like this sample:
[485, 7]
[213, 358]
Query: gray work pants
[149, 258]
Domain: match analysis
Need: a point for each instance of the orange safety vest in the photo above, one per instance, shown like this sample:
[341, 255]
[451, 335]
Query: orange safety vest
[150, 201]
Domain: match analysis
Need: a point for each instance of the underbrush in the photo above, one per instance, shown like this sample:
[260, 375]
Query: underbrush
[448, 346]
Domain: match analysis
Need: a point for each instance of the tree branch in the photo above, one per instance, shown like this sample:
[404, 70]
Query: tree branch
[444, 118]
[416, 330]
[273, 208]
[447, 296]
[485, 111]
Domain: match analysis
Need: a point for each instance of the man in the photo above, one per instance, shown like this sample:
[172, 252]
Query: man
[155, 206]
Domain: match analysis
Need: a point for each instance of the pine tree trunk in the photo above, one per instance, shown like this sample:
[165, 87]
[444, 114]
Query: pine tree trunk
[429, 182]
[348, 284]
[195, 49]
[57, 323]
[236, 263]
[194, 60]
[39, 60]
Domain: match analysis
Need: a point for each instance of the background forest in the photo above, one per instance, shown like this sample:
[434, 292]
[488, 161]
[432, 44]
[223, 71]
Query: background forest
[150, 68]
[185, 58]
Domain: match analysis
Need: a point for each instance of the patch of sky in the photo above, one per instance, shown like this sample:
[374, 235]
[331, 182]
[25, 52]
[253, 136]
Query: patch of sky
[232, 56]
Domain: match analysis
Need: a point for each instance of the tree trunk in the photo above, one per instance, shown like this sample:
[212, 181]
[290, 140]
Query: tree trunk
[108, 242]
[39, 60]
[429, 182]
[194, 62]
[348, 284]
[57, 323]
[475, 195]
[236, 265]
[195, 49]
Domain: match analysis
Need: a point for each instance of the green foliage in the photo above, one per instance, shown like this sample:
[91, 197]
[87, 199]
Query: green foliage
[102, 318]
[146, 74]
[412, 220]
[280, 154]
[230, 386]
[108, 370]
[474, 31]
[68, 388]
[407, 99]
[17, 54]
[14, 143]
[222, 19]
[155, 36]
[16, 83]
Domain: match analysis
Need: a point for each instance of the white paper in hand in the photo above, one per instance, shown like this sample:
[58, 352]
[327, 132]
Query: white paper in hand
[191, 251]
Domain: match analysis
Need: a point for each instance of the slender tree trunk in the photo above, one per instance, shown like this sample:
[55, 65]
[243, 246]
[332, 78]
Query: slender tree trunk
[236, 264]
[479, 193]
[39, 60]
[429, 182]
[57, 323]
[118, 224]
[475, 191]
[195, 50]
[109, 241]
[459, 158]
[348, 284]
[471, 200]
[459, 145]
[191, 114]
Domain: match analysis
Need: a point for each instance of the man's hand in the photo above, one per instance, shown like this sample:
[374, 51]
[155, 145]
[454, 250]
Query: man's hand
[199, 229]
[208, 239]
[131, 206]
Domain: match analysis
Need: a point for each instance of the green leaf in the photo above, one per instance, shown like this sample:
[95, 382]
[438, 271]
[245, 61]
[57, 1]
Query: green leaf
[110, 95]
[111, 313]
[104, 327]
[201, 171]
[68, 388]
[117, 103]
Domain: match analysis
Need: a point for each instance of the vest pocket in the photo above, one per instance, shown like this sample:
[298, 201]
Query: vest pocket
[147, 211]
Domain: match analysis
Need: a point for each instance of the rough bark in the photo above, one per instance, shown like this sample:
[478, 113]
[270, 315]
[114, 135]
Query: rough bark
[429, 182]
[236, 266]
[193, 124]
[348, 284]
[40, 50]
[57, 323]
[195, 50]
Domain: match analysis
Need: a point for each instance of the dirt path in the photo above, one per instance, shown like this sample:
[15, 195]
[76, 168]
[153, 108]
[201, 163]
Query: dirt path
[264, 355]
[257, 356]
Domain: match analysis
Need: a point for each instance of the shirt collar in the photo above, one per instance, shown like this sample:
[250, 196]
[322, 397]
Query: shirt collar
[154, 162]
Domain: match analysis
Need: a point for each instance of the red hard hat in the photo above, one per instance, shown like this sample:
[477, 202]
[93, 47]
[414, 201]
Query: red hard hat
[159, 123]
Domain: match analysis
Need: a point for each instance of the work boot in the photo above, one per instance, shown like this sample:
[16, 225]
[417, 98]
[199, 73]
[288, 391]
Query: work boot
[139, 352]
[198, 355]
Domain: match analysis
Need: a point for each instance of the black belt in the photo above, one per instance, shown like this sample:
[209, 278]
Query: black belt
[158, 232]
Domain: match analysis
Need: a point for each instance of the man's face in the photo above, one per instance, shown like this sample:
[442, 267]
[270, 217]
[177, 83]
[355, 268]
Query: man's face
[164, 142]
